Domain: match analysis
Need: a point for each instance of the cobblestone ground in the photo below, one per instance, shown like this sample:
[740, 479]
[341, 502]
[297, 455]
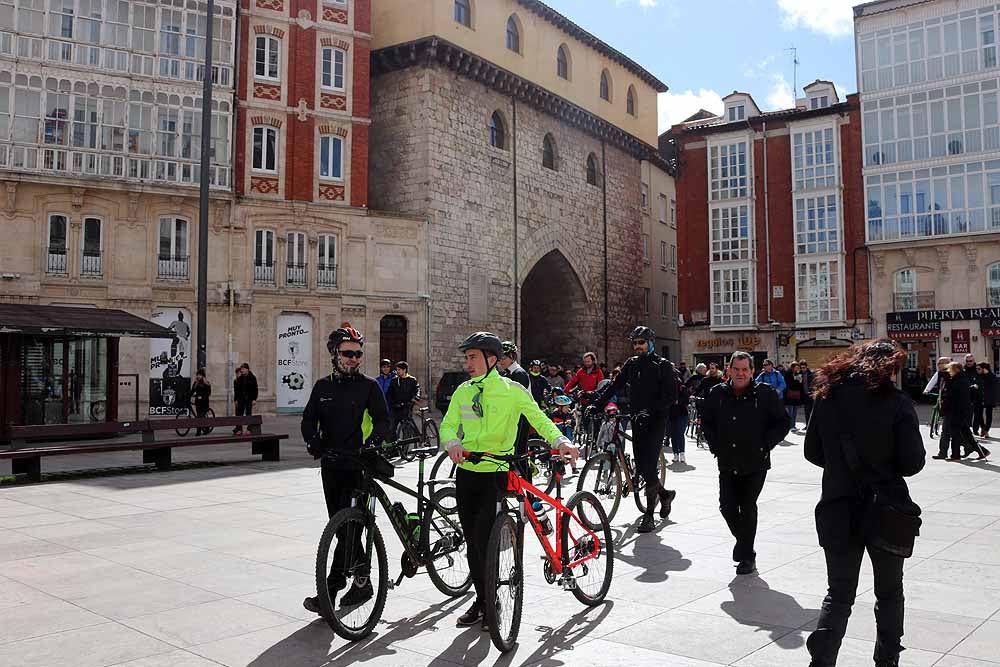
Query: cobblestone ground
[209, 565]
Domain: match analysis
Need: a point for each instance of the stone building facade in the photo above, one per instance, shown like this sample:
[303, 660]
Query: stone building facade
[527, 236]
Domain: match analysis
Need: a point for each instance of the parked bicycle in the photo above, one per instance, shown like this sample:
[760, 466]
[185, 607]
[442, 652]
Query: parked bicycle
[581, 560]
[431, 537]
[188, 413]
[609, 474]
[406, 431]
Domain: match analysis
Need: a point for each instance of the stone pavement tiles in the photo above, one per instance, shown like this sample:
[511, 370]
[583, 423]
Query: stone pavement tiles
[209, 566]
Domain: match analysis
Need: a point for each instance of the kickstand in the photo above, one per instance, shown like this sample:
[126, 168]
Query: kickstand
[395, 584]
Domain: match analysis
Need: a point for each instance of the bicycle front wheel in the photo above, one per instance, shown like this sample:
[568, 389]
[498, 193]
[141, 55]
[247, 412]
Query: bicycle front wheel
[184, 413]
[209, 414]
[504, 584]
[443, 467]
[640, 483]
[591, 556]
[447, 563]
[431, 436]
[407, 430]
[352, 580]
[603, 478]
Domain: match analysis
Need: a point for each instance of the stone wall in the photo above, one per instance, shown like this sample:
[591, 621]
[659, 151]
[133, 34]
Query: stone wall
[431, 156]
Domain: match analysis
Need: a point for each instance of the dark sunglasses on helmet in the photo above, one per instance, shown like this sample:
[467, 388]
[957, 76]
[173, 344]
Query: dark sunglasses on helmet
[351, 354]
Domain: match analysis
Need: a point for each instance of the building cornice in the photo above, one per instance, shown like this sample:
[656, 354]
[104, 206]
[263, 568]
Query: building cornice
[429, 51]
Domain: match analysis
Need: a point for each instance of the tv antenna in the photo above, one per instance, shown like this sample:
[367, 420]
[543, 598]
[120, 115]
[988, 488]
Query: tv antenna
[795, 73]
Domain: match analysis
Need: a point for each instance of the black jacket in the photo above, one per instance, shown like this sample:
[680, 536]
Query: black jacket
[336, 410]
[793, 384]
[516, 373]
[707, 383]
[402, 391]
[539, 385]
[245, 388]
[742, 431]
[652, 385]
[987, 389]
[956, 401]
[886, 435]
[200, 393]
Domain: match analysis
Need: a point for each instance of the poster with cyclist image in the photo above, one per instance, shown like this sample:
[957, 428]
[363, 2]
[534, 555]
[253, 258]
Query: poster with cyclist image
[170, 363]
[294, 361]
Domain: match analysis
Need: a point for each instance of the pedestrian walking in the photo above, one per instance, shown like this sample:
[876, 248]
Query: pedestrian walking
[987, 388]
[678, 421]
[807, 388]
[793, 394]
[865, 435]
[201, 393]
[682, 371]
[245, 394]
[772, 377]
[957, 411]
[742, 421]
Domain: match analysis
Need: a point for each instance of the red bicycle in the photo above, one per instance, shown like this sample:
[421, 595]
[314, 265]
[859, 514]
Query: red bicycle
[581, 560]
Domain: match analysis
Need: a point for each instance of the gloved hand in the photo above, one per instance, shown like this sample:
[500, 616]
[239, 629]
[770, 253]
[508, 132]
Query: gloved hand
[591, 412]
[315, 448]
[373, 441]
[640, 420]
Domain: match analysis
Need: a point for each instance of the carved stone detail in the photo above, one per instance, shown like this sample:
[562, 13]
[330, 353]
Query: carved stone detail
[942, 255]
[303, 109]
[972, 254]
[77, 194]
[11, 204]
[878, 259]
[911, 256]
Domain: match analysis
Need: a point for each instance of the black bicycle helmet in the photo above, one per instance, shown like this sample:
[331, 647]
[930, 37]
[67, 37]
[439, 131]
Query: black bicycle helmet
[385, 362]
[344, 334]
[508, 347]
[642, 333]
[488, 342]
[535, 362]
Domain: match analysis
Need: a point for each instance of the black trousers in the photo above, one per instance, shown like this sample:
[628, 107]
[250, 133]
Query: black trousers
[339, 488]
[982, 418]
[244, 408]
[842, 569]
[477, 495]
[738, 504]
[647, 443]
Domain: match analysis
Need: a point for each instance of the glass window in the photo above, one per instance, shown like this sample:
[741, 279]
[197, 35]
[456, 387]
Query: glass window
[731, 296]
[662, 202]
[728, 171]
[605, 86]
[266, 58]
[61, 18]
[993, 285]
[513, 35]
[463, 13]
[562, 62]
[263, 256]
[326, 267]
[548, 152]
[630, 102]
[818, 291]
[730, 233]
[498, 131]
[265, 141]
[737, 112]
[92, 242]
[592, 169]
[57, 233]
[331, 157]
[173, 239]
[333, 68]
[817, 230]
[295, 258]
[813, 159]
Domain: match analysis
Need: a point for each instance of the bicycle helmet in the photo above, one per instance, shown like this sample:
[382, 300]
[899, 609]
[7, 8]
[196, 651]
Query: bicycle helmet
[563, 399]
[611, 407]
[535, 362]
[508, 347]
[344, 334]
[488, 342]
[643, 333]
[385, 362]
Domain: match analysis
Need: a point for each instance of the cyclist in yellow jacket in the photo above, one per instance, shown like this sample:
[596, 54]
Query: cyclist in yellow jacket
[483, 417]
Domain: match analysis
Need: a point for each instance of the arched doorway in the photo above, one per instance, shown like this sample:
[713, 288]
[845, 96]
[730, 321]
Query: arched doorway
[558, 324]
[392, 338]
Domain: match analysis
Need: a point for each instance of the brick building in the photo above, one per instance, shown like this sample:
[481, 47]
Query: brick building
[771, 229]
[309, 250]
[520, 137]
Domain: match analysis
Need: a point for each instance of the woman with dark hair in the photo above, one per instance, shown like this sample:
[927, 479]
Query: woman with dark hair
[987, 390]
[793, 393]
[864, 433]
[956, 408]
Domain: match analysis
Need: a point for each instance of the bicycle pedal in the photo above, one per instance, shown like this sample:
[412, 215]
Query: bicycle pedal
[568, 583]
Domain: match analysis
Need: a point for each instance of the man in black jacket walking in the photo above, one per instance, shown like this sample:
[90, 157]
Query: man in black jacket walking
[742, 421]
[244, 393]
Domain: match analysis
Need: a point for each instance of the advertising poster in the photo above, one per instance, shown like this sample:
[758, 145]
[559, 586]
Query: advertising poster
[170, 363]
[960, 341]
[294, 362]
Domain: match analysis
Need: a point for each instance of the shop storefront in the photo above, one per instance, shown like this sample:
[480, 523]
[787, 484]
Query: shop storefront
[707, 347]
[59, 365]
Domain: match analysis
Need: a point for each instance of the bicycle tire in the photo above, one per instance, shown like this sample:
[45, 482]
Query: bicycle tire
[185, 413]
[209, 414]
[437, 532]
[431, 435]
[597, 521]
[602, 476]
[98, 410]
[640, 484]
[503, 607]
[443, 462]
[407, 430]
[363, 521]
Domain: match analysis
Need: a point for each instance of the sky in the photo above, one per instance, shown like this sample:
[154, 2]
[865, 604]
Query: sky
[705, 49]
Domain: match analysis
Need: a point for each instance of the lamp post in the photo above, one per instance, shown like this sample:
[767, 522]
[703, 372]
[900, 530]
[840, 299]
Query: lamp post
[206, 147]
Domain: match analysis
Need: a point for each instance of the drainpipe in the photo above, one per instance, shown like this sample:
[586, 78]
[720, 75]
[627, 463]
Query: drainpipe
[229, 321]
[604, 196]
[517, 286]
[767, 230]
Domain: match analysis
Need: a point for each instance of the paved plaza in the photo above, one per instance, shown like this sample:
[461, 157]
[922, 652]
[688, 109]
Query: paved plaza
[208, 566]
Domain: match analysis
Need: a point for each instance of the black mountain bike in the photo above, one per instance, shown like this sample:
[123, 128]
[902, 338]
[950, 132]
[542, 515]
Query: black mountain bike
[356, 572]
[406, 431]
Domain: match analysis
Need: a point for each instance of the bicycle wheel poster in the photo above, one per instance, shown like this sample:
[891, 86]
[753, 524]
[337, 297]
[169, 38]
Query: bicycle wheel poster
[294, 361]
[170, 363]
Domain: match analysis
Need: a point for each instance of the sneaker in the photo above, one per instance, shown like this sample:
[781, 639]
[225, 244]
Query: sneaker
[312, 604]
[666, 500]
[746, 567]
[472, 616]
[357, 595]
[940, 457]
[954, 458]
[676, 458]
[237, 431]
[647, 525]
[683, 460]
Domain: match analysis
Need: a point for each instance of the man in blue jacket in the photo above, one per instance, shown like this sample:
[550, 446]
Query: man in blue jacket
[773, 378]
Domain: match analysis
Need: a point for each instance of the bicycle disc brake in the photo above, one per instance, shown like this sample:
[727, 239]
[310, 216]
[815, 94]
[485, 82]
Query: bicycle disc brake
[408, 565]
[550, 575]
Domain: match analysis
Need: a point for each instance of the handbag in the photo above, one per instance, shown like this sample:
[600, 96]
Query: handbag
[892, 519]
[793, 394]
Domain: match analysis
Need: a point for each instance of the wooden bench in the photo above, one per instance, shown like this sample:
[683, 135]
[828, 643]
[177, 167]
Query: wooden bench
[27, 443]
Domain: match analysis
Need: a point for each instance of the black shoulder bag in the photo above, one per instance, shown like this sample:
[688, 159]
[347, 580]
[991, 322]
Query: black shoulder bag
[891, 519]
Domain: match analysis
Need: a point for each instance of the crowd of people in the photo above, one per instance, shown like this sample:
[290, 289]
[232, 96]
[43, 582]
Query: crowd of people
[965, 396]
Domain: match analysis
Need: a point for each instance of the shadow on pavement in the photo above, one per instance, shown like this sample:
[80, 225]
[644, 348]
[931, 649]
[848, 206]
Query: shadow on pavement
[563, 638]
[656, 559]
[748, 599]
[681, 467]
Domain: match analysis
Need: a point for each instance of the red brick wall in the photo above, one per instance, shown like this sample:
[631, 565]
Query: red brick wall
[692, 231]
[362, 78]
[854, 217]
[363, 15]
[778, 227]
[300, 149]
[359, 165]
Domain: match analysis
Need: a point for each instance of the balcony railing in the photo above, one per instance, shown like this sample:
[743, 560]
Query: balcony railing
[263, 274]
[912, 301]
[172, 267]
[91, 266]
[295, 275]
[326, 275]
[56, 263]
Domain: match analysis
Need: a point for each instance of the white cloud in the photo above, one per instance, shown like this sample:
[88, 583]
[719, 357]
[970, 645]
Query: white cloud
[780, 96]
[641, 3]
[676, 107]
[842, 92]
[833, 18]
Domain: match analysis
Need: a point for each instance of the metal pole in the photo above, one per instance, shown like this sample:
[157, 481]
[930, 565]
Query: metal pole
[206, 147]
[517, 269]
[604, 198]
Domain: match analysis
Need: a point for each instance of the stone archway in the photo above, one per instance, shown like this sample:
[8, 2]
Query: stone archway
[556, 323]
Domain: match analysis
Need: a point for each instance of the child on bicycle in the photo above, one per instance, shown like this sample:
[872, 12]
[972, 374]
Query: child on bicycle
[483, 417]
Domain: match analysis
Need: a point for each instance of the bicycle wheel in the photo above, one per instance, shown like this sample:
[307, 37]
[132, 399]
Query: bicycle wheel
[640, 483]
[592, 576]
[365, 577]
[98, 410]
[209, 414]
[602, 477]
[183, 413]
[406, 431]
[443, 467]
[447, 564]
[504, 584]
[431, 435]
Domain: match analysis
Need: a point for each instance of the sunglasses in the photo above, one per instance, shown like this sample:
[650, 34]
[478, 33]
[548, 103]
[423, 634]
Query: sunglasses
[638, 342]
[351, 354]
[477, 405]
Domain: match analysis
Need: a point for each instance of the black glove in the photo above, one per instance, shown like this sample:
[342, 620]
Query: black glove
[315, 448]
[640, 420]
